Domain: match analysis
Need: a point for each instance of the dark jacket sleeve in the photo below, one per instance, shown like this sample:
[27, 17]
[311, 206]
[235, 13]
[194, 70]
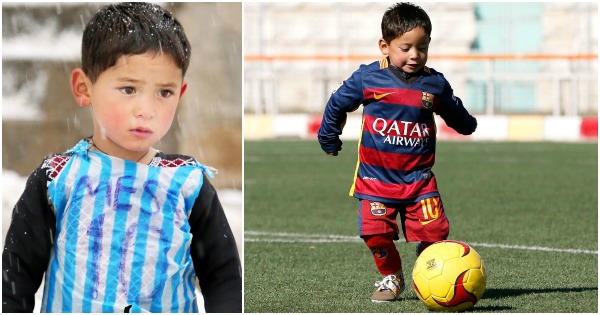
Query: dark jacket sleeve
[215, 254]
[455, 114]
[27, 246]
[345, 99]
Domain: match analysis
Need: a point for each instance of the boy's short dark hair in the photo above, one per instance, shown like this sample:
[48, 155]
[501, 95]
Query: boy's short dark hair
[130, 29]
[401, 18]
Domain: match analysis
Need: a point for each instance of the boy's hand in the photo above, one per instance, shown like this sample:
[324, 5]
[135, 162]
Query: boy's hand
[335, 153]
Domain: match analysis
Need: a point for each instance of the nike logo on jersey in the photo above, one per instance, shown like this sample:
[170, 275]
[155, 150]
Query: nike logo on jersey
[425, 222]
[380, 96]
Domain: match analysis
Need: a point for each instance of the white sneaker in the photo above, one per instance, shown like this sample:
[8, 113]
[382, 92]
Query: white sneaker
[388, 289]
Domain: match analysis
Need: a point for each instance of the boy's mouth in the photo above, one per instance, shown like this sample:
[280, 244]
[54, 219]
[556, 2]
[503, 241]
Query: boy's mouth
[412, 66]
[141, 132]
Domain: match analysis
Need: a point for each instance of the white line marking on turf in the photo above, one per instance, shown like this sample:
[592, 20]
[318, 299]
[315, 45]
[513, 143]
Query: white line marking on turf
[283, 237]
[538, 248]
[306, 236]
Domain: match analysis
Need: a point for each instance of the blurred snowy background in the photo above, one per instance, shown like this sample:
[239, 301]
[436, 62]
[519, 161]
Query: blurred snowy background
[41, 45]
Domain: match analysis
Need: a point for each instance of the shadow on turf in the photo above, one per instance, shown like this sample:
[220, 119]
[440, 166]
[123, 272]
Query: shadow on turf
[493, 294]
[497, 293]
[478, 308]
[485, 309]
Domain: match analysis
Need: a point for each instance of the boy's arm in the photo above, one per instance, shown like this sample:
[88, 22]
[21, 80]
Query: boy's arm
[454, 113]
[346, 98]
[27, 246]
[215, 254]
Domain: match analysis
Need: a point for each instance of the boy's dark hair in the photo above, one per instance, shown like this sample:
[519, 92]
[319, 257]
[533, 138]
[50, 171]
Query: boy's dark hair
[401, 18]
[131, 29]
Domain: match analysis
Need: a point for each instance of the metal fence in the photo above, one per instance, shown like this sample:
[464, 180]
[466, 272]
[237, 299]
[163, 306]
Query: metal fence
[559, 85]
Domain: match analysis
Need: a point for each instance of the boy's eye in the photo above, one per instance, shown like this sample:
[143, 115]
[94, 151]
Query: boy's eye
[127, 90]
[165, 93]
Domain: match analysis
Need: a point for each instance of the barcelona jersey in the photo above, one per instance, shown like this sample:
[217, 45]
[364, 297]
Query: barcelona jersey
[397, 144]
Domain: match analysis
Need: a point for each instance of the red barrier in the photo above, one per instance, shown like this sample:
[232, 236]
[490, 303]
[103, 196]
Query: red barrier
[589, 127]
[314, 122]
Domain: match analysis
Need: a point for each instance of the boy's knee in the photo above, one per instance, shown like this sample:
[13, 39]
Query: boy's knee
[379, 240]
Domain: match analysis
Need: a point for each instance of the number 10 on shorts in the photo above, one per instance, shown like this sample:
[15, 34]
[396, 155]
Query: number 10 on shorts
[430, 208]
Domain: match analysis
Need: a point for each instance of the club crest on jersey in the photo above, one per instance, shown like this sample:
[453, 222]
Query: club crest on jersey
[427, 100]
[378, 209]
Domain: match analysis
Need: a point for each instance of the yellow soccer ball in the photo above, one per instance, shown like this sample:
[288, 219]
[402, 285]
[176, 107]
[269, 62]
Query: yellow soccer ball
[449, 276]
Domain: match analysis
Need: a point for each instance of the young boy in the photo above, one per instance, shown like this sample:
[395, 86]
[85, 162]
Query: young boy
[396, 151]
[116, 225]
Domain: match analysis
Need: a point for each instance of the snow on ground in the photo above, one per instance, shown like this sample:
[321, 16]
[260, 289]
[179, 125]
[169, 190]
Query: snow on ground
[13, 185]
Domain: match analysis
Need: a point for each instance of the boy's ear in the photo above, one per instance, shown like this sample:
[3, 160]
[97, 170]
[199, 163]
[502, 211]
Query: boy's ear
[183, 88]
[80, 87]
[384, 47]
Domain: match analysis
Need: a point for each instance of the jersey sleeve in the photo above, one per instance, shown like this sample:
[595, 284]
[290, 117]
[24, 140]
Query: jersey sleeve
[215, 254]
[346, 98]
[454, 113]
[27, 246]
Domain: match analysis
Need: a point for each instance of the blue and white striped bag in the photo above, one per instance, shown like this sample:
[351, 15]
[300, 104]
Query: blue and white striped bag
[122, 235]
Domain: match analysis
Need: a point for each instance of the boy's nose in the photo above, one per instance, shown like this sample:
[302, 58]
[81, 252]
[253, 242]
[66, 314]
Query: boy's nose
[145, 108]
[413, 54]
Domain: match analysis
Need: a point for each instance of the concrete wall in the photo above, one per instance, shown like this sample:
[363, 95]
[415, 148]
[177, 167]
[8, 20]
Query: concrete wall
[565, 87]
[347, 28]
[489, 128]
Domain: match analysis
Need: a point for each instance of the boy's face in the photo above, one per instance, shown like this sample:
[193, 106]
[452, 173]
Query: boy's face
[133, 103]
[409, 51]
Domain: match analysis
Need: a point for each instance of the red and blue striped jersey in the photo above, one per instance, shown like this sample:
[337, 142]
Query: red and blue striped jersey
[396, 149]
